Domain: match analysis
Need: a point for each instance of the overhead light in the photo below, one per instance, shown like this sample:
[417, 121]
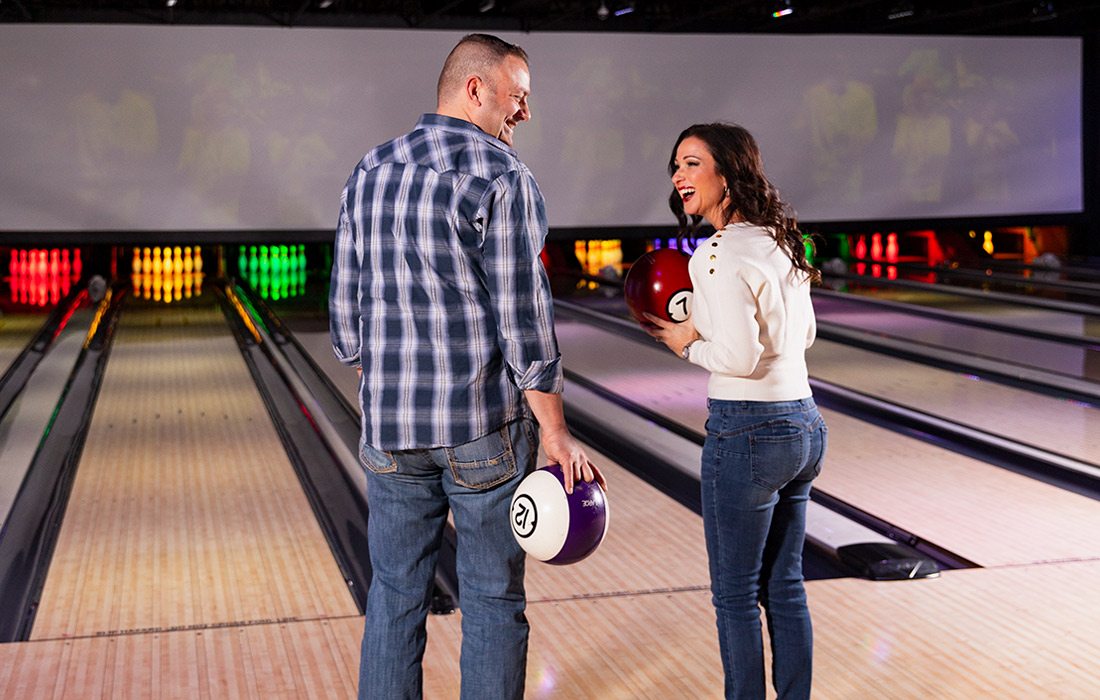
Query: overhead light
[625, 9]
[603, 12]
[1042, 11]
[783, 9]
[901, 10]
[486, 5]
[171, 3]
[324, 4]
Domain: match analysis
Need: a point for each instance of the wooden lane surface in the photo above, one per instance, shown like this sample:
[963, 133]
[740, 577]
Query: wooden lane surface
[1058, 425]
[987, 514]
[185, 511]
[1011, 633]
[653, 543]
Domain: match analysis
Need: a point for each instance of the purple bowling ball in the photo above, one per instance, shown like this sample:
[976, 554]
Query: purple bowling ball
[556, 527]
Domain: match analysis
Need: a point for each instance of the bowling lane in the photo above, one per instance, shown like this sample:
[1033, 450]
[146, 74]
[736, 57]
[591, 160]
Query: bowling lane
[606, 626]
[185, 512]
[1011, 309]
[16, 330]
[636, 557]
[981, 512]
[28, 418]
[908, 323]
[1057, 425]
[653, 545]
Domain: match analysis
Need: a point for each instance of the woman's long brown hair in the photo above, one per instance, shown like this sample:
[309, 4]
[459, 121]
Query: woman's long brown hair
[752, 196]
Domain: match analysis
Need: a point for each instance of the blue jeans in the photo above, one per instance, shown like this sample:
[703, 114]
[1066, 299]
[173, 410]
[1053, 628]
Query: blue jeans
[759, 460]
[409, 493]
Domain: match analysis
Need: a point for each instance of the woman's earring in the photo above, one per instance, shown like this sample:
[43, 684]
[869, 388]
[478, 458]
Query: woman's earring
[726, 191]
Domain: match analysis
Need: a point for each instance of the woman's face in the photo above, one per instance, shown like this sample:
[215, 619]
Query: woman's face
[695, 177]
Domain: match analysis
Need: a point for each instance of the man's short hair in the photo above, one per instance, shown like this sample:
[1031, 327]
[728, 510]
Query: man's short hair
[475, 54]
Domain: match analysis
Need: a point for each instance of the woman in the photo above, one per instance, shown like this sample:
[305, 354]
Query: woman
[750, 325]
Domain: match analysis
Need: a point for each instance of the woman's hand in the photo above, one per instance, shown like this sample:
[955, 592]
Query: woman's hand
[674, 335]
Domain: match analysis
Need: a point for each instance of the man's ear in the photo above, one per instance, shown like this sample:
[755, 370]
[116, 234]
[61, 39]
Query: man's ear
[474, 88]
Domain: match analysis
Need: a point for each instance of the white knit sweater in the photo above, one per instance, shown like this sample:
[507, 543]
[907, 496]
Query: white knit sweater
[753, 310]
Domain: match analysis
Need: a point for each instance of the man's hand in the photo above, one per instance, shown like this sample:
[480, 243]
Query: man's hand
[563, 449]
[558, 443]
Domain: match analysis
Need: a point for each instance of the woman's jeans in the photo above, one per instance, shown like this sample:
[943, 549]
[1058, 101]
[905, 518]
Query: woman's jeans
[409, 494]
[759, 461]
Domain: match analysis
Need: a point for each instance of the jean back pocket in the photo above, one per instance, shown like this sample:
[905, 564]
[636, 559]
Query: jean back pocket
[485, 462]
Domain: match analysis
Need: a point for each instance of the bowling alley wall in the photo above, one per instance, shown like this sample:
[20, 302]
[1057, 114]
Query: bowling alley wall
[113, 128]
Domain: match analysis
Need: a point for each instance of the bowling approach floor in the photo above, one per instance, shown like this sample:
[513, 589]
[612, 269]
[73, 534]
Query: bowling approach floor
[189, 564]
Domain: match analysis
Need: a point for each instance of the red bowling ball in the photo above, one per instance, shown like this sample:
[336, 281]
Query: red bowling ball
[658, 283]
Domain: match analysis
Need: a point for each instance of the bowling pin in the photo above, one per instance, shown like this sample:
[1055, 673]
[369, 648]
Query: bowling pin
[188, 260]
[158, 264]
[197, 264]
[876, 247]
[861, 249]
[892, 247]
[135, 266]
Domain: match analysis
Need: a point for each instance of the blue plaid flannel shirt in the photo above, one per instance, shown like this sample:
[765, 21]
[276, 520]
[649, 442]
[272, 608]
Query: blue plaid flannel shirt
[437, 289]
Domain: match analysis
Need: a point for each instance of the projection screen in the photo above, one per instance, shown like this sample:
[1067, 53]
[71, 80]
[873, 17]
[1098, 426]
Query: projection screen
[233, 128]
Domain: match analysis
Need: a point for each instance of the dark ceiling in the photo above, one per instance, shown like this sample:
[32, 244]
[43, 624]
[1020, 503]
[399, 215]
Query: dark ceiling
[994, 17]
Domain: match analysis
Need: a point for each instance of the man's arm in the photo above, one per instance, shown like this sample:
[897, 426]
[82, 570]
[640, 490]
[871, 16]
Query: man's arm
[514, 233]
[558, 443]
[343, 303]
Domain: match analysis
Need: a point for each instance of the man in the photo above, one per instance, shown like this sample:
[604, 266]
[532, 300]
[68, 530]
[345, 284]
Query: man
[440, 299]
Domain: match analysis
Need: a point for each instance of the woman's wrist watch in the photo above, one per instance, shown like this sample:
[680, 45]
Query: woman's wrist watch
[686, 352]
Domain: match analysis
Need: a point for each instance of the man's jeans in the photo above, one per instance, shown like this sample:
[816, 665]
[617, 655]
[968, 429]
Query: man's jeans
[409, 494]
[759, 460]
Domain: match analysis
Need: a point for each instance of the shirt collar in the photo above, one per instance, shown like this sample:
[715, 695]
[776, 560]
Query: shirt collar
[439, 121]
